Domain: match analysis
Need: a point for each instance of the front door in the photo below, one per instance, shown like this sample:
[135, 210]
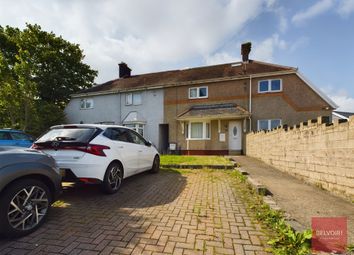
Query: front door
[235, 136]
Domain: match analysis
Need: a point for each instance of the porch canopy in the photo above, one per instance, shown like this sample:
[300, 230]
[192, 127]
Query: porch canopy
[214, 112]
[134, 118]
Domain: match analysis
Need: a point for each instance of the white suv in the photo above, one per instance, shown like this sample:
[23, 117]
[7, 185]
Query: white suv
[99, 153]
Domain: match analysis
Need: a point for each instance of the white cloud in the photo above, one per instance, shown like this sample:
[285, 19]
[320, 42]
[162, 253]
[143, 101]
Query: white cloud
[341, 97]
[299, 43]
[270, 3]
[149, 35]
[221, 58]
[318, 8]
[345, 103]
[264, 50]
[281, 13]
[283, 24]
[346, 7]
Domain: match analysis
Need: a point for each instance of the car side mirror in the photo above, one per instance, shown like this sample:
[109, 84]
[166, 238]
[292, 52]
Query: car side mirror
[148, 143]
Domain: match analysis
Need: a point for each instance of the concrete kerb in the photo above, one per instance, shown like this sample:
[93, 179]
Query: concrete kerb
[258, 187]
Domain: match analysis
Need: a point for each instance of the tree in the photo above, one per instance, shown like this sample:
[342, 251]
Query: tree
[38, 73]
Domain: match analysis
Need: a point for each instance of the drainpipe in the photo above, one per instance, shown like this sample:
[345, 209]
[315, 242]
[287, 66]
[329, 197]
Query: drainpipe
[120, 109]
[250, 103]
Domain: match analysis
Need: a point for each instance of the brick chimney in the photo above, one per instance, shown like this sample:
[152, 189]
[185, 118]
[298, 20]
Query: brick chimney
[245, 51]
[124, 70]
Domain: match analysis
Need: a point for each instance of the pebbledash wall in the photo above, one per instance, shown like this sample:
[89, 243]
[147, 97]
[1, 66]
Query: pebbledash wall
[315, 151]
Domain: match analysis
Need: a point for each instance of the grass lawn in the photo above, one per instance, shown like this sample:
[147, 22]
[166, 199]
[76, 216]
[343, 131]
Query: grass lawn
[193, 160]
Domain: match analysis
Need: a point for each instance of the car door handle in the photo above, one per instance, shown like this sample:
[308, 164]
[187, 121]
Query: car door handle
[140, 151]
[120, 147]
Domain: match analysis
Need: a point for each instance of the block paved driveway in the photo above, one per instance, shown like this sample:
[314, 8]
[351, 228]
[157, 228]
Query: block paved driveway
[196, 212]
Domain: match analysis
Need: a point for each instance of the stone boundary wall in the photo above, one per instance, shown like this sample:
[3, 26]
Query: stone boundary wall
[318, 152]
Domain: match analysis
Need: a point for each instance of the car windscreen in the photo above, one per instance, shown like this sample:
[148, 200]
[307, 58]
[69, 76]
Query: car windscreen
[78, 135]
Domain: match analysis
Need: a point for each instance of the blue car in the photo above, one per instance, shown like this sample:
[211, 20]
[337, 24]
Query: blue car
[11, 137]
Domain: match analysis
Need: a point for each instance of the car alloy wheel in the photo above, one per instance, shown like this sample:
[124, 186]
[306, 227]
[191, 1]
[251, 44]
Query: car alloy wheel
[115, 177]
[28, 208]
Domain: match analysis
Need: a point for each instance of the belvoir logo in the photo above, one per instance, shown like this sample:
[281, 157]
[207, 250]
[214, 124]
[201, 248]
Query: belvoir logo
[329, 234]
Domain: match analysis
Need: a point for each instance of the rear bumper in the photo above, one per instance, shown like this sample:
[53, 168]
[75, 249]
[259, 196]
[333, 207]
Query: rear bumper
[82, 169]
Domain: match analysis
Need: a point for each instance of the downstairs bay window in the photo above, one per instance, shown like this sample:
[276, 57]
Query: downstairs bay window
[197, 130]
[139, 128]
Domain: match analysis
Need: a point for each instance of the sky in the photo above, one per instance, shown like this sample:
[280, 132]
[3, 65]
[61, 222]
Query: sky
[317, 36]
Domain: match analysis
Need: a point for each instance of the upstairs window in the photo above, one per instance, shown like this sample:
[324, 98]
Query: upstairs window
[268, 124]
[133, 98]
[129, 99]
[198, 92]
[136, 98]
[265, 86]
[86, 103]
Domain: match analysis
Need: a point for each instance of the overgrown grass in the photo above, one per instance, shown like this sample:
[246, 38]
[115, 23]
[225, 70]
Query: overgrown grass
[283, 239]
[194, 160]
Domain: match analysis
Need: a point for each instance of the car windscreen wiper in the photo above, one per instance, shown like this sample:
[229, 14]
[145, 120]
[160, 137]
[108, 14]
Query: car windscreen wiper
[64, 138]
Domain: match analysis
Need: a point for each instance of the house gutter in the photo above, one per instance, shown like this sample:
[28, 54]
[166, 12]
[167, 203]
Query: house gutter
[340, 116]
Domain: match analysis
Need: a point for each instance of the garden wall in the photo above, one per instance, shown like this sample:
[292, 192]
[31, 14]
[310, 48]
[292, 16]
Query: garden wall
[316, 151]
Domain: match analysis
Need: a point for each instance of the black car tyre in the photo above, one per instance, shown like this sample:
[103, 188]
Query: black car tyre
[24, 207]
[155, 165]
[113, 178]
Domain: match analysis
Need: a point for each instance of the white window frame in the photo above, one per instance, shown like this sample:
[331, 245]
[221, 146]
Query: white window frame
[130, 96]
[85, 100]
[136, 127]
[141, 98]
[269, 123]
[270, 86]
[198, 92]
[204, 137]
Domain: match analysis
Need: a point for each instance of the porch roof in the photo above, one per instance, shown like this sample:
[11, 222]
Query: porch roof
[133, 118]
[215, 111]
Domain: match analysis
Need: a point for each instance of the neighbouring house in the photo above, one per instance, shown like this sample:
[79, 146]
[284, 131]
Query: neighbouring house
[124, 101]
[203, 110]
[338, 115]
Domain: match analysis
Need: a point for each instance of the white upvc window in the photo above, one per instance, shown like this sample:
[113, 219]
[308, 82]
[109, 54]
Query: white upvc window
[133, 98]
[137, 98]
[86, 103]
[198, 92]
[129, 99]
[272, 85]
[198, 130]
[268, 124]
[139, 128]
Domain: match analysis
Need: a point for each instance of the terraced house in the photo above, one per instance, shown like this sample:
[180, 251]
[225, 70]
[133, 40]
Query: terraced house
[204, 110]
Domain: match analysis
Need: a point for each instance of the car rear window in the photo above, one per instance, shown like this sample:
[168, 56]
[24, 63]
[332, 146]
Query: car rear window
[19, 136]
[80, 135]
[5, 136]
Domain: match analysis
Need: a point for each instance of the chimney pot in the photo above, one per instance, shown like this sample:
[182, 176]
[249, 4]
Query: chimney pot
[124, 70]
[245, 51]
